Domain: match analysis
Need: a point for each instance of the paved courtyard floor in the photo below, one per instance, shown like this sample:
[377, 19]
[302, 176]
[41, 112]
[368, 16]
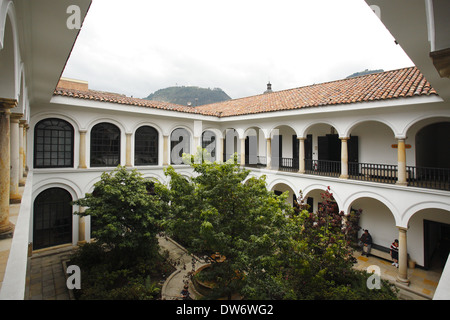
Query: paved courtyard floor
[46, 275]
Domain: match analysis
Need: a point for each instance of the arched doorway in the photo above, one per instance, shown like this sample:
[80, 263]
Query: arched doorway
[52, 218]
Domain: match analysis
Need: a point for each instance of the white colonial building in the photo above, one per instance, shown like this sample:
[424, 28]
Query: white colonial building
[380, 142]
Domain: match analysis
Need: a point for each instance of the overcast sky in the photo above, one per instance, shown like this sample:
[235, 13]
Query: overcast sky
[136, 47]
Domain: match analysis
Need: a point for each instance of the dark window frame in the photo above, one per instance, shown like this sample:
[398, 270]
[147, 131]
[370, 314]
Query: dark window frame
[105, 149]
[53, 144]
[146, 146]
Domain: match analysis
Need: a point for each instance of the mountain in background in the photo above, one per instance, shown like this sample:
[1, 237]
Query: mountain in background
[365, 72]
[193, 96]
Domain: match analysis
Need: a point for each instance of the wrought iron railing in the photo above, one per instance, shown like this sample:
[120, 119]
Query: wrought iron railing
[284, 164]
[432, 178]
[323, 167]
[385, 173]
[255, 161]
[421, 177]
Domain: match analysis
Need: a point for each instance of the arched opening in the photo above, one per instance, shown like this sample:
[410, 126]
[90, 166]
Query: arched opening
[314, 199]
[8, 63]
[231, 144]
[378, 219]
[280, 188]
[52, 218]
[372, 153]
[53, 144]
[284, 149]
[322, 150]
[180, 142]
[105, 145]
[146, 146]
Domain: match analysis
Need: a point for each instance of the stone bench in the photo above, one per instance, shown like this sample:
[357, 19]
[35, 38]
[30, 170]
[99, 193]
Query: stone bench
[381, 252]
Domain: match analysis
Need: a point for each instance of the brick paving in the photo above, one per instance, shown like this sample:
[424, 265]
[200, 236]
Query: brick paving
[46, 279]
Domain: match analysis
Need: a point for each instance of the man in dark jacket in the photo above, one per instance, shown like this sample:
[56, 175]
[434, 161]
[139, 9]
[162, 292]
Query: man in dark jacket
[365, 241]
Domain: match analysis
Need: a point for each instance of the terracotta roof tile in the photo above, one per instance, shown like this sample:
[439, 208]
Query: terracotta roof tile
[407, 82]
[122, 99]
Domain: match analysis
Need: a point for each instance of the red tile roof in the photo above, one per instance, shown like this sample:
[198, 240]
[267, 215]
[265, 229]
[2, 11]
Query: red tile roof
[407, 82]
[101, 96]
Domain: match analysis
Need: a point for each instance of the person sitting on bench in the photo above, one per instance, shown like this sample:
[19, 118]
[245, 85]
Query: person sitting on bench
[365, 241]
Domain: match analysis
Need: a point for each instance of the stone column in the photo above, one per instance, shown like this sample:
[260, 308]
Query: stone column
[15, 196]
[81, 227]
[269, 153]
[301, 158]
[21, 152]
[165, 150]
[82, 157]
[402, 257]
[6, 227]
[242, 152]
[220, 150]
[25, 149]
[401, 162]
[128, 150]
[344, 158]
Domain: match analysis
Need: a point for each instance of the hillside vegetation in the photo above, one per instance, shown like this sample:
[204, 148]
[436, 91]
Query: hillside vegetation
[194, 96]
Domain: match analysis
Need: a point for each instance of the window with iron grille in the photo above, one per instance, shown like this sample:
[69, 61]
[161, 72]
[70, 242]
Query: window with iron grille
[52, 218]
[105, 145]
[53, 144]
[146, 146]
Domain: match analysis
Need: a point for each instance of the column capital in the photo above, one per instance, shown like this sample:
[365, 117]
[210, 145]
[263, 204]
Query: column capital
[7, 103]
[82, 131]
[15, 117]
[344, 138]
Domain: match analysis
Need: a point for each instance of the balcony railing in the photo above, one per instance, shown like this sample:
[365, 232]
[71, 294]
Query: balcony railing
[384, 173]
[255, 161]
[323, 167]
[421, 177]
[432, 178]
[285, 164]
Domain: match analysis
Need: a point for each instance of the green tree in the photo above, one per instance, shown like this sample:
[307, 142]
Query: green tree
[220, 210]
[125, 214]
[320, 264]
[123, 261]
